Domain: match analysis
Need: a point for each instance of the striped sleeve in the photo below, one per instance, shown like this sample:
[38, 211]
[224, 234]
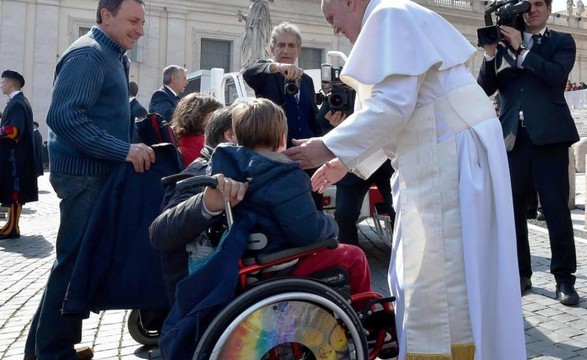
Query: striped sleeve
[77, 88]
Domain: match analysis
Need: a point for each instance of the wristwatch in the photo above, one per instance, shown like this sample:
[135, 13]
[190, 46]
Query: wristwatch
[523, 46]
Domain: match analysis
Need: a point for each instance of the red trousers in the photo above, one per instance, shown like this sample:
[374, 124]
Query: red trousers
[349, 257]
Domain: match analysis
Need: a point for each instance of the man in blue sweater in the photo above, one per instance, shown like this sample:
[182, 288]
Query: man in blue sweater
[89, 135]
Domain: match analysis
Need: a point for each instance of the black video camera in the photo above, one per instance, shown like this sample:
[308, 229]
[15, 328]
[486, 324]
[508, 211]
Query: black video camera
[341, 96]
[507, 12]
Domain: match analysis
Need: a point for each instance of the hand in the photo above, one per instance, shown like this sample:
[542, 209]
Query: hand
[227, 190]
[141, 156]
[490, 49]
[328, 174]
[335, 118]
[512, 35]
[289, 71]
[310, 153]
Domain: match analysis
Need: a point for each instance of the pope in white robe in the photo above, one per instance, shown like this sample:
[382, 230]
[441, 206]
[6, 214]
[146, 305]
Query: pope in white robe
[453, 268]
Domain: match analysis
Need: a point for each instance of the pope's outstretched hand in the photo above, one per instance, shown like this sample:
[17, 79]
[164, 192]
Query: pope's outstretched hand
[328, 174]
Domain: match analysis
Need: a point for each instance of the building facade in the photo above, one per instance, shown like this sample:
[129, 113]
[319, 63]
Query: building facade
[198, 34]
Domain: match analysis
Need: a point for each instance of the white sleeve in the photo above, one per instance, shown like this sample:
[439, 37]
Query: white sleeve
[359, 141]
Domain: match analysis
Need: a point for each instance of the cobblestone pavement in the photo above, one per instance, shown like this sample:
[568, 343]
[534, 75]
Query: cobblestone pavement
[553, 331]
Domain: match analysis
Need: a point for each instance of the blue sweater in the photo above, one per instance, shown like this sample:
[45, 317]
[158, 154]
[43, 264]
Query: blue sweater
[89, 113]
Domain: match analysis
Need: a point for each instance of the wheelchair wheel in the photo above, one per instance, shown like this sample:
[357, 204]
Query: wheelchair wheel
[138, 332]
[289, 318]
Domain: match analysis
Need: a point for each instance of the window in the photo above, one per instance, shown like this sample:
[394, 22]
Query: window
[82, 30]
[216, 54]
[310, 58]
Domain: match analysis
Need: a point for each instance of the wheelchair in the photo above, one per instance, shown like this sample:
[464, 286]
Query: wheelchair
[285, 317]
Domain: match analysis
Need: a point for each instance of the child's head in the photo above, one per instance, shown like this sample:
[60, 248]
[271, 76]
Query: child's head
[192, 113]
[259, 123]
[219, 127]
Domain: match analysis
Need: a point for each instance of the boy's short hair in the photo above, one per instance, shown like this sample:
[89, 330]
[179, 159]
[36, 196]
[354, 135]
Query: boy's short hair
[220, 121]
[259, 123]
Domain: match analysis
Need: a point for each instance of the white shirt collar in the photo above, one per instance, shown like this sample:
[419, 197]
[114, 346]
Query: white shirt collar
[170, 89]
[527, 36]
[13, 94]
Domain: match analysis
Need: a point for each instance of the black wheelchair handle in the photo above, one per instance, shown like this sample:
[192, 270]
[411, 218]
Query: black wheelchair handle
[173, 179]
[196, 181]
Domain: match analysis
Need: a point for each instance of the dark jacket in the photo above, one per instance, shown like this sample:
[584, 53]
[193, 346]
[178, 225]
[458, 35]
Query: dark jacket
[163, 102]
[204, 293]
[270, 86]
[19, 155]
[38, 144]
[179, 224]
[136, 110]
[280, 195]
[117, 268]
[537, 90]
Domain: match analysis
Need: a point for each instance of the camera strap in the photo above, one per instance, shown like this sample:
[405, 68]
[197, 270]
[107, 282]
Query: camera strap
[507, 54]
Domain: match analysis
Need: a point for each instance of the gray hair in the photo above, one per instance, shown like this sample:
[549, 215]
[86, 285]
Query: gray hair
[285, 28]
[171, 70]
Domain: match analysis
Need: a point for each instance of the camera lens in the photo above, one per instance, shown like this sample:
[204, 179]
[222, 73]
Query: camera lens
[291, 87]
[336, 100]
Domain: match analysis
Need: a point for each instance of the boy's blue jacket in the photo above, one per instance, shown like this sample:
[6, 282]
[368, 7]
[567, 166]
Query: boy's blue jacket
[280, 194]
[278, 203]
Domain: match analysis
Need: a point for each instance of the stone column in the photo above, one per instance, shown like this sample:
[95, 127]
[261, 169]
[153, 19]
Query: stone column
[176, 37]
[13, 36]
[46, 38]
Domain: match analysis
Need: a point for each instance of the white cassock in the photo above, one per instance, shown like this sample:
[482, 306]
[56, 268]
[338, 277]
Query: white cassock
[454, 267]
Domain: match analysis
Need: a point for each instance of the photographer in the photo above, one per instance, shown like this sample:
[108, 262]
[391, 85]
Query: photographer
[284, 83]
[538, 130]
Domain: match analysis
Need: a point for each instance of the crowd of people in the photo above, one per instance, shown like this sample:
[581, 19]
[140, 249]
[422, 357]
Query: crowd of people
[573, 86]
[423, 130]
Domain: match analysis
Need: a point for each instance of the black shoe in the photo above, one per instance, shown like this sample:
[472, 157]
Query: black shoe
[566, 294]
[525, 284]
[83, 353]
[10, 235]
[540, 216]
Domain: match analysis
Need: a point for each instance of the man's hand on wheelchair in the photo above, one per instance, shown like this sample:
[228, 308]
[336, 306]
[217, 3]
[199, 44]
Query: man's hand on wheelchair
[227, 190]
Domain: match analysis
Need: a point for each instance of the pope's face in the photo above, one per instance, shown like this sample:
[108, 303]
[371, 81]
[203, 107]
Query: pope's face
[344, 18]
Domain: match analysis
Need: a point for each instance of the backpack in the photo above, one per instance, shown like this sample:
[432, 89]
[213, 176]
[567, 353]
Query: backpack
[153, 129]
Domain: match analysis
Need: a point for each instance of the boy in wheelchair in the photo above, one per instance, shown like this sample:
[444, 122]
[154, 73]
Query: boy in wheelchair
[279, 193]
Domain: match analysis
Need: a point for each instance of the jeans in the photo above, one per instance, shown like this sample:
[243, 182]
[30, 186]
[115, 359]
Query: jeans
[53, 336]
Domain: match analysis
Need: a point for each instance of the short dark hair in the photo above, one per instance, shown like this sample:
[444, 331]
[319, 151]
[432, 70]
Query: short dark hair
[112, 6]
[13, 75]
[548, 2]
[133, 88]
[220, 121]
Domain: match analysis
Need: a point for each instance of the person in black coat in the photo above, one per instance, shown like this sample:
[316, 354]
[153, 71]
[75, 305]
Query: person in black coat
[137, 110]
[538, 129]
[18, 179]
[269, 79]
[38, 144]
[164, 100]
